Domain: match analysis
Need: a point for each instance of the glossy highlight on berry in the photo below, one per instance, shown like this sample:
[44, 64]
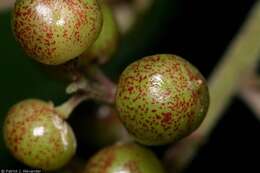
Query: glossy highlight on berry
[54, 32]
[37, 136]
[161, 99]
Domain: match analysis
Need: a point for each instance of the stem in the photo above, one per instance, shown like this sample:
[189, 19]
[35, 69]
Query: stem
[249, 92]
[241, 56]
[80, 84]
[176, 156]
[66, 108]
[100, 77]
[97, 91]
[6, 4]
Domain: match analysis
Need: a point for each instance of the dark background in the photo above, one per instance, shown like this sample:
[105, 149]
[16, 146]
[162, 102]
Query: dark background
[198, 30]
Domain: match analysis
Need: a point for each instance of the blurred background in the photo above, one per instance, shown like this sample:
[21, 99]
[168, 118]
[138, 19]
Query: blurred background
[199, 31]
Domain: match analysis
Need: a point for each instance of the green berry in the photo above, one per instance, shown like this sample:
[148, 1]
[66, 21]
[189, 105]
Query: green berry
[53, 32]
[125, 158]
[107, 42]
[161, 99]
[37, 136]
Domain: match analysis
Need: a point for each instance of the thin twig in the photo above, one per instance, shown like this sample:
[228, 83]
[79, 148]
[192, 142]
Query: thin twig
[67, 108]
[97, 74]
[240, 57]
[95, 90]
[6, 4]
[249, 92]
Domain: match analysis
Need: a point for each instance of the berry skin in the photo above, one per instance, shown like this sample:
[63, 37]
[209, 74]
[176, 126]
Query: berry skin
[37, 136]
[107, 42]
[53, 32]
[130, 158]
[161, 99]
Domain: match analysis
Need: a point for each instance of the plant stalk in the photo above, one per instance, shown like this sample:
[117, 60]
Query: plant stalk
[67, 108]
[241, 56]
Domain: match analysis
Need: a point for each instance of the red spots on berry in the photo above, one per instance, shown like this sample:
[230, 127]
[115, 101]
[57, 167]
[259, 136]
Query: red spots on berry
[80, 12]
[16, 140]
[147, 66]
[65, 33]
[102, 164]
[77, 36]
[49, 35]
[167, 93]
[167, 118]
[174, 93]
[71, 3]
[130, 89]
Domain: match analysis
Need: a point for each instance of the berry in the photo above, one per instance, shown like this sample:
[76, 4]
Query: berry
[107, 42]
[37, 136]
[130, 158]
[161, 99]
[53, 32]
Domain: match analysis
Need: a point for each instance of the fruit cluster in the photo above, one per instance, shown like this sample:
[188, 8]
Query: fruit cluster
[159, 99]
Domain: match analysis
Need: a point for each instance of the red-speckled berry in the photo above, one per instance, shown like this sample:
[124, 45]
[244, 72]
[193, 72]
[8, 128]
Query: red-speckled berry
[161, 99]
[55, 31]
[37, 136]
[124, 158]
[107, 41]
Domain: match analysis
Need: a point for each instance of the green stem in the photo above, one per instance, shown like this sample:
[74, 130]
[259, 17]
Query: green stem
[6, 4]
[100, 90]
[67, 108]
[78, 85]
[249, 92]
[241, 56]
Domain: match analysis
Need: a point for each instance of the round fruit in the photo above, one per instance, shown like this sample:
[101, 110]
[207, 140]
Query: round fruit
[107, 42]
[161, 99]
[37, 136]
[130, 158]
[53, 32]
